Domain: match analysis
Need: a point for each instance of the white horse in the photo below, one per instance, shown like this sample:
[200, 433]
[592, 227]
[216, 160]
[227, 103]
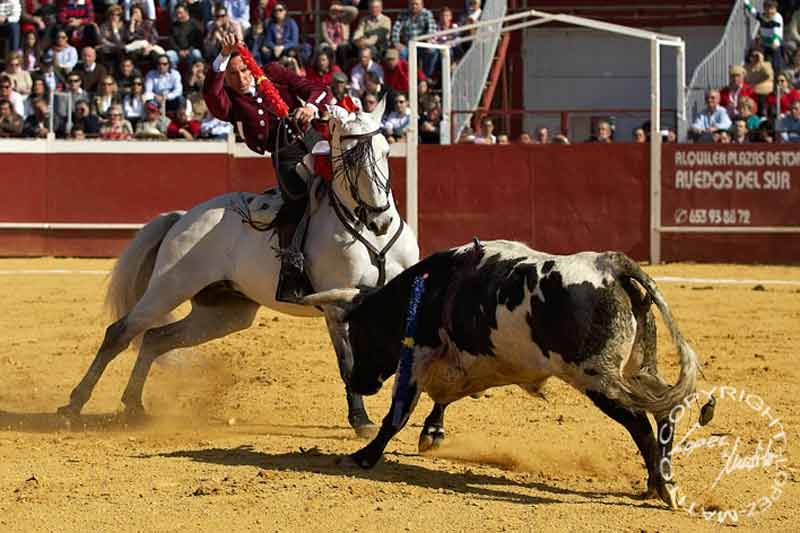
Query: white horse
[227, 269]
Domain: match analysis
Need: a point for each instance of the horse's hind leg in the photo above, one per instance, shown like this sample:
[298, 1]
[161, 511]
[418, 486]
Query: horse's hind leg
[208, 320]
[356, 412]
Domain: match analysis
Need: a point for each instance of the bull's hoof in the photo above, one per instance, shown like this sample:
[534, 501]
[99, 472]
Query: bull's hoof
[366, 431]
[69, 411]
[430, 439]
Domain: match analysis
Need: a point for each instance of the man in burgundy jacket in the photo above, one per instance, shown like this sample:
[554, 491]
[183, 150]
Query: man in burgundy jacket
[230, 94]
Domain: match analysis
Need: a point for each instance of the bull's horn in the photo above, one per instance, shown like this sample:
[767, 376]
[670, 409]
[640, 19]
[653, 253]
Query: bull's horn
[339, 297]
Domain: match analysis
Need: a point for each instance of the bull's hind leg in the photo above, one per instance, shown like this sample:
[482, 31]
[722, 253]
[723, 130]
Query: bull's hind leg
[212, 317]
[432, 435]
[638, 425]
[356, 412]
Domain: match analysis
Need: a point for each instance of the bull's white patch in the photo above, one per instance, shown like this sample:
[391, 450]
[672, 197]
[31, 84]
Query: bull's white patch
[724, 459]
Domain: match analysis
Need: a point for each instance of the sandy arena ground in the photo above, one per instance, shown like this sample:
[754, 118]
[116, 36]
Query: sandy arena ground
[245, 432]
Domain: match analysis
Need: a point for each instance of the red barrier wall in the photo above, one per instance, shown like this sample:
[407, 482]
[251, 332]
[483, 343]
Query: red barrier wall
[559, 199]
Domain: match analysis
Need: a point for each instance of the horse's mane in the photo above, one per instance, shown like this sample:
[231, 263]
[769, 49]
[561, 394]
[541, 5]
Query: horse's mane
[348, 164]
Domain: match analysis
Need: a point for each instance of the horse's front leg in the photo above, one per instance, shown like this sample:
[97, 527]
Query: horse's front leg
[356, 412]
[432, 434]
[404, 400]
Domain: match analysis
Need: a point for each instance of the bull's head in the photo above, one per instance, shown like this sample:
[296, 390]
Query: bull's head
[373, 336]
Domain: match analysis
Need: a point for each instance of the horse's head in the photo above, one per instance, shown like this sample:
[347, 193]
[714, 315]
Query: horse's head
[360, 157]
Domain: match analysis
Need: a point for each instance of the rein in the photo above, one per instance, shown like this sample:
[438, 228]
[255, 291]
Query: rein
[357, 155]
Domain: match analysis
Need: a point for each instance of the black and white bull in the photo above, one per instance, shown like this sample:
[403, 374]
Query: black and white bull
[499, 313]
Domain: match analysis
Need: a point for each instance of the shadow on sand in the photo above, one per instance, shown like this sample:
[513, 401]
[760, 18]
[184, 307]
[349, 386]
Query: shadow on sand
[469, 483]
[52, 422]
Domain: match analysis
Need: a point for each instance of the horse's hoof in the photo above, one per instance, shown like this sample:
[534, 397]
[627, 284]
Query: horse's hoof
[431, 440]
[366, 431]
[134, 412]
[348, 462]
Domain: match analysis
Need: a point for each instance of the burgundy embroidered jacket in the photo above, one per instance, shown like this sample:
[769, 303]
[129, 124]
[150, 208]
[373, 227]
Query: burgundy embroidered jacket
[259, 124]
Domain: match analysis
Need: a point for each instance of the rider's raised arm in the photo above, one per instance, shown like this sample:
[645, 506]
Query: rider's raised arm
[214, 94]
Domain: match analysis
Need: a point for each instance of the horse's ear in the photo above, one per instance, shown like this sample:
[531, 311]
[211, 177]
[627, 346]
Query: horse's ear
[377, 113]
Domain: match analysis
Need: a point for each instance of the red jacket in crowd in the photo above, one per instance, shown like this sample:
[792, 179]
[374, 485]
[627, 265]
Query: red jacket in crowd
[787, 99]
[725, 98]
[192, 126]
[322, 79]
[75, 9]
[397, 78]
[259, 124]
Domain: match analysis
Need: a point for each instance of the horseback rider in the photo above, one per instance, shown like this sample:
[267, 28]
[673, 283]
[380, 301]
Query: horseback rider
[232, 95]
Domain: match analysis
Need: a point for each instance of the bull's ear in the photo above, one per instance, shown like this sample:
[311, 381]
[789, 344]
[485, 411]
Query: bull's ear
[339, 297]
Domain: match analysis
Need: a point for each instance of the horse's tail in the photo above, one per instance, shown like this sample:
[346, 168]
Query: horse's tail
[131, 273]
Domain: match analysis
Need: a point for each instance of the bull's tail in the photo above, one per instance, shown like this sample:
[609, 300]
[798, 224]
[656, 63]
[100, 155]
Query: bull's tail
[660, 400]
[132, 271]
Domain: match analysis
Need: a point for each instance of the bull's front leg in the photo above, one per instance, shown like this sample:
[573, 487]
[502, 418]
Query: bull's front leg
[404, 400]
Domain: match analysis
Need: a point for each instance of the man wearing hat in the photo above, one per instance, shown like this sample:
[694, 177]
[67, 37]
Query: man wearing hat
[154, 125]
[231, 94]
[736, 89]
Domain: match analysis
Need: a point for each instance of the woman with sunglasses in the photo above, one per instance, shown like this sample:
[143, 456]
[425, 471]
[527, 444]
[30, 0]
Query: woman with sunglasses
[107, 96]
[113, 35]
[142, 35]
[65, 56]
[788, 94]
[117, 128]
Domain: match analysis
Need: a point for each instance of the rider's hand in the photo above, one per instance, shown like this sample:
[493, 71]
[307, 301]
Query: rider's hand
[304, 114]
[228, 44]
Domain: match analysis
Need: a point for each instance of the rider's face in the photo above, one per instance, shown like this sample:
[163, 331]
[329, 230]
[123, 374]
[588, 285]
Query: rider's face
[237, 76]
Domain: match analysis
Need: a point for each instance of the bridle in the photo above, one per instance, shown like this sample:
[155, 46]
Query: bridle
[362, 208]
[353, 221]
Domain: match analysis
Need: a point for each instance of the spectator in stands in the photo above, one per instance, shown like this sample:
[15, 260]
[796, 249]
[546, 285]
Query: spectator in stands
[238, 11]
[7, 92]
[747, 112]
[395, 71]
[396, 123]
[10, 12]
[446, 23]
[603, 133]
[473, 12]
[425, 97]
[712, 118]
[20, 79]
[38, 16]
[73, 94]
[292, 63]
[127, 74]
[429, 126]
[90, 71]
[186, 38]
[148, 8]
[413, 23]
[39, 89]
[723, 137]
[373, 86]
[323, 68]
[65, 56]
[52, 78]
[38, 124]
[10, 121]
[113, 36]
[163, 84]
[85, 120]
[280, 36]
[117, 128]
[339, 86]
[365, 64]
[154, 125]
[770, 32]
[133, 102]
[789, 125]
[77, 134]
[759, 75]
[106, 98]
[740, 132]
[560, 139]
[542, 136]
[77, 18]
[31, 52]
[213, 128]
[736, 89]
[196, 79]
[639, 136]
[502, 138]
[791, 40]
[183, 127]
[524, 138]
[336, 31]
[789, 94]
[486, 133]
[373, 30]
[221, 26]
[142, 35]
